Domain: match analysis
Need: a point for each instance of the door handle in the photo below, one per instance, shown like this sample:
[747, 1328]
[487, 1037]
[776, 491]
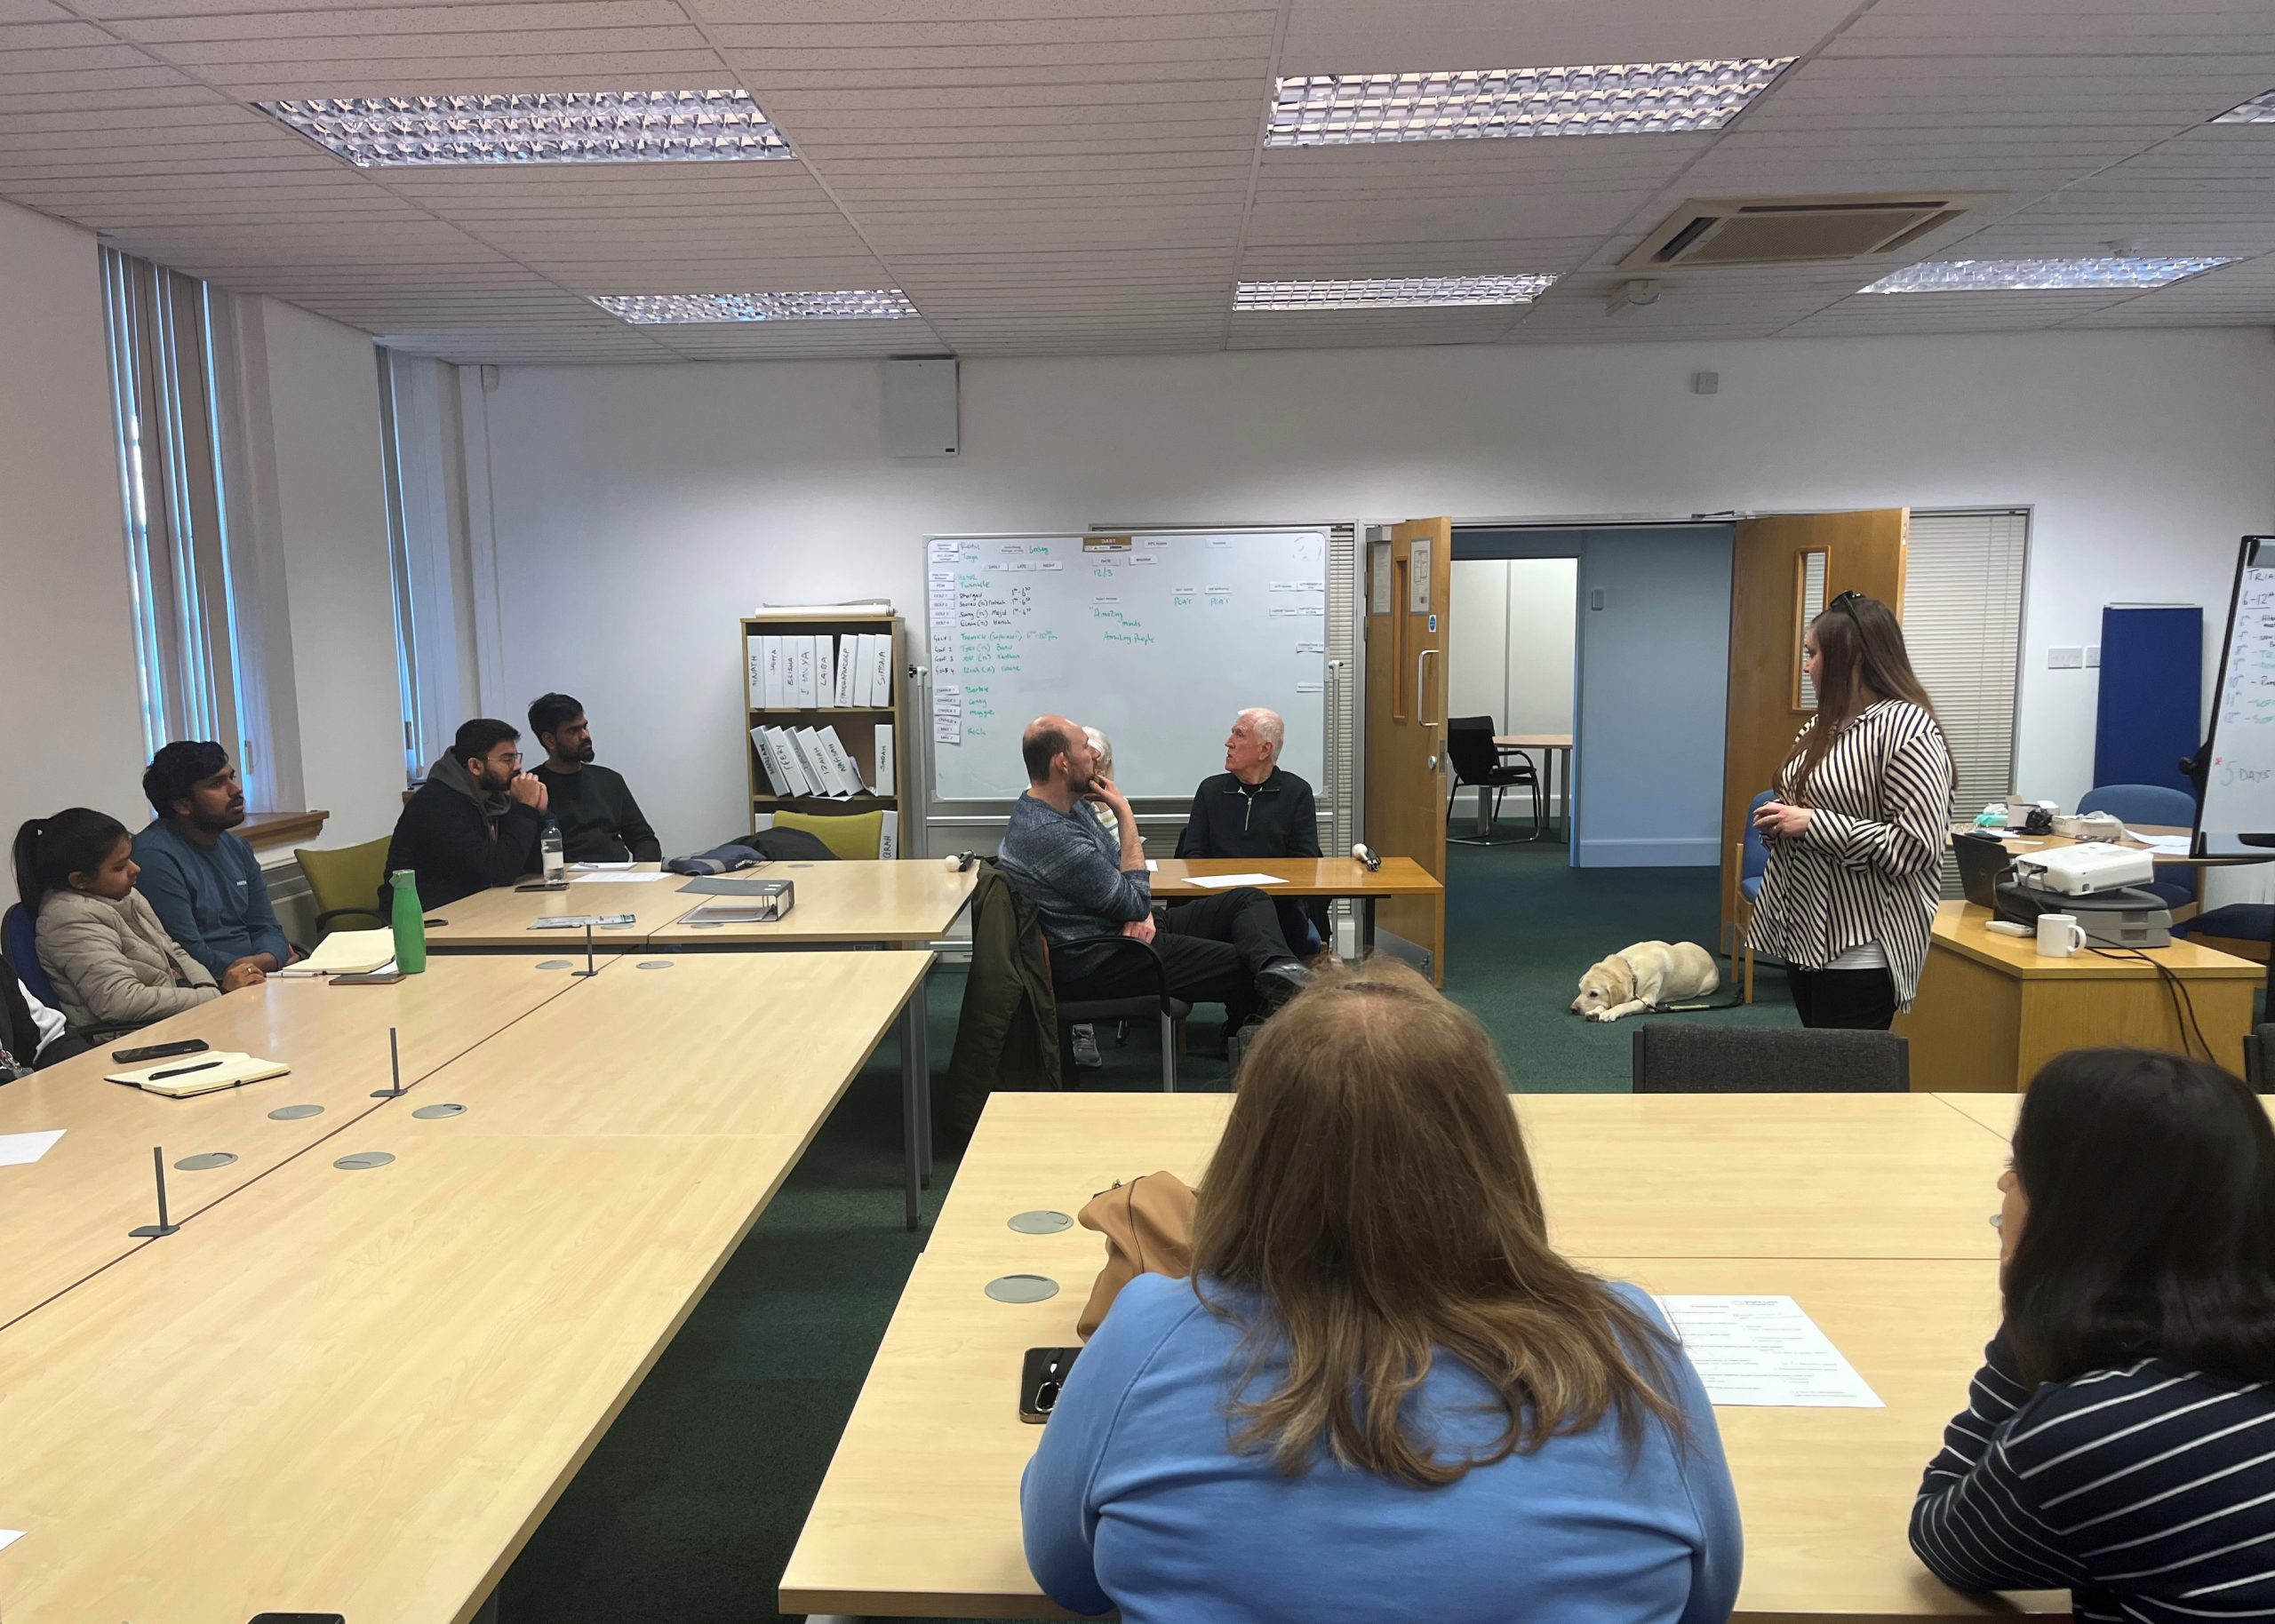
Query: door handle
[1422, 701]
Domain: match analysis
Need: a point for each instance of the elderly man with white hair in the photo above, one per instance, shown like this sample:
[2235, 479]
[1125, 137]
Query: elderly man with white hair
[1256, 808]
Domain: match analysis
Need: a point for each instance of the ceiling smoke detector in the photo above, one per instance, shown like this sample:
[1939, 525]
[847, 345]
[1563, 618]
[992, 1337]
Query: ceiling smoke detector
[1630, 295]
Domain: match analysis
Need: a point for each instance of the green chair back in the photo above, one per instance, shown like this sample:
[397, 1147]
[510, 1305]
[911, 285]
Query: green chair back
[347, 883]
[854, 836]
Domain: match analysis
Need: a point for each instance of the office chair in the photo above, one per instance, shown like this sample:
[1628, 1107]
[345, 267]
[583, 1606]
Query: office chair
[1158, 1004]
[346, 882]
[2151, 803]
[855, 836]
[1690, 1057]
[1477, 763]
[17, 929]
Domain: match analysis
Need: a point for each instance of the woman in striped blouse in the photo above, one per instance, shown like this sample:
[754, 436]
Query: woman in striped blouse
[2120, 1440]
[1856, 828]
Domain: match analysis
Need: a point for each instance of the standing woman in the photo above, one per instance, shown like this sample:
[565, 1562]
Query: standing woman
[1856, 829]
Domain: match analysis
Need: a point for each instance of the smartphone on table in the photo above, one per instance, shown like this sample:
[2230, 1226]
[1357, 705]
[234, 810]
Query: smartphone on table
[1041, 1378]
[159, 1051]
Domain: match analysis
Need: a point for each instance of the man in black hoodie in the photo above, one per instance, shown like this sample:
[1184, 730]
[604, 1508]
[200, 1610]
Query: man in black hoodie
[474, 822]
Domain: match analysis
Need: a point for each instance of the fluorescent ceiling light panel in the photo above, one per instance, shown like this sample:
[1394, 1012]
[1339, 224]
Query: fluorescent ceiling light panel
[838, 305]
[1615, 99]
[2259, 110]
[598, 127]
[1390, 293]
[2032, 276]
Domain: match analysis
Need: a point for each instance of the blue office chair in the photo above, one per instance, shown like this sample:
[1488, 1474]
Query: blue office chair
[22, 946]
[2150, 803]
[1753, 863]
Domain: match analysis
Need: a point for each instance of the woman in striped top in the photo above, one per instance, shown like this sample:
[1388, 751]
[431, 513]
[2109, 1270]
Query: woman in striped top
[1856, 828]
[2120, 1440]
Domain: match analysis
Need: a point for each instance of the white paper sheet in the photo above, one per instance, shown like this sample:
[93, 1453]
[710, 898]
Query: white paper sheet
[1226, 882]
[2166, 845]
[9, 1536]
[586, 868]
[1765, 1351]
[622, 880]
[22, 1150]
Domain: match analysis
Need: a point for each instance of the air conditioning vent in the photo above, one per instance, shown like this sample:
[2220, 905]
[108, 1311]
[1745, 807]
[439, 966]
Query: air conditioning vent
[1714, 231]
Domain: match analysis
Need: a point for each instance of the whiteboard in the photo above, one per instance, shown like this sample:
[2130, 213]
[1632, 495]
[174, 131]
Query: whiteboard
[1157, 642]
[2239, 786]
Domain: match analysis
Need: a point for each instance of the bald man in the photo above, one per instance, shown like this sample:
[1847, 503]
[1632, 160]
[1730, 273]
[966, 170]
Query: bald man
[1255, 808]
[1087, 883]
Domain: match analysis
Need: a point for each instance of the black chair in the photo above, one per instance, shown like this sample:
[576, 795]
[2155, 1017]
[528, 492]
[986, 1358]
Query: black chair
[1157, 1004]
[2258, 1049]
[1477, 763]
[1692, 1057]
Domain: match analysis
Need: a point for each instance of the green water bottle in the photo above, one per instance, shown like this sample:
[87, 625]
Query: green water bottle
[409, 924]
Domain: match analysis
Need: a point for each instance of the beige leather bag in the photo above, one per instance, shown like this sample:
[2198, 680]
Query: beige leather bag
[1148, 1229]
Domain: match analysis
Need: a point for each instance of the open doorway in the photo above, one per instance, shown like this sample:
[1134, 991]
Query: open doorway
[1510, 668]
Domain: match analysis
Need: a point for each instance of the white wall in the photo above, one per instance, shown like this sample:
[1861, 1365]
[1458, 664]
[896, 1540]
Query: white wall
[323, 399]
[66, 641]
[637, 510]
[1511, 654]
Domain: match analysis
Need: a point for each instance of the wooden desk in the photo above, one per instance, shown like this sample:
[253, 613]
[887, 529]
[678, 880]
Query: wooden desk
[1991, 1010]
[68, 1214]
[498, 920]
[1173, 880]
[935, 1448]
[1551, 745]
[837, 904]
[355, 1391]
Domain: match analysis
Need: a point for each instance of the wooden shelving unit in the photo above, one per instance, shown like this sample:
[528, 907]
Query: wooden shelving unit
[856, 725]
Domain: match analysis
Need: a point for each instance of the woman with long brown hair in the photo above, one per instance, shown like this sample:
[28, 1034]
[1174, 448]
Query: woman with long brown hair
[1382, 1394]
[1856, 826]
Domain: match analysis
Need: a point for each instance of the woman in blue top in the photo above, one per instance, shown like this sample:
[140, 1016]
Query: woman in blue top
[1381, 1395]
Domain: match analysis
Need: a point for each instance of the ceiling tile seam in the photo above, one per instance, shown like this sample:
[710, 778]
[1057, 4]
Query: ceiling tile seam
[1255, 167]
[798, 151]
[213, 89]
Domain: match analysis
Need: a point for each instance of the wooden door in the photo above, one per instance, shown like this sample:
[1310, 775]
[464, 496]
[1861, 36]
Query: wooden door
[1784, 565]
[1409, 591]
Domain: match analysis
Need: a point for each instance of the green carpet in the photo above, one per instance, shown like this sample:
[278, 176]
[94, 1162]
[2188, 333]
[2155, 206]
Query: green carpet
[687, 1511]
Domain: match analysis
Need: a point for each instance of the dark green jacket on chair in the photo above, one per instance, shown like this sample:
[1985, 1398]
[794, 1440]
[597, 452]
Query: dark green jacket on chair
[1007, 1036]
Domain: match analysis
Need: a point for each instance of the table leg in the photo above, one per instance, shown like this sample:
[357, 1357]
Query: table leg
[923, 1002]
[1484, 824]
[914, 1079]
[1366, 927]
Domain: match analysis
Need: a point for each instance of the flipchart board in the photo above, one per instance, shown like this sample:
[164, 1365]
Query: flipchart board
[2237, 814]
[1157, 640]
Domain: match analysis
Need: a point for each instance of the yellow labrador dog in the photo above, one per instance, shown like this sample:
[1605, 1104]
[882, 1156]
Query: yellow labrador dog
[1646, 975]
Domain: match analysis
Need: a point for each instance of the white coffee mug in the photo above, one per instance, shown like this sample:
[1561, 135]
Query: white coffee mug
[2059, 936]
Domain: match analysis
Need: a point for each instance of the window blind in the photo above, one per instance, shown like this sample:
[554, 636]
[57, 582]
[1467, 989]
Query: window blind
[1962, 622]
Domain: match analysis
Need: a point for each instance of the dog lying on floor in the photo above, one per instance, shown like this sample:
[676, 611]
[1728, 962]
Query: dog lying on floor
[1647, 975]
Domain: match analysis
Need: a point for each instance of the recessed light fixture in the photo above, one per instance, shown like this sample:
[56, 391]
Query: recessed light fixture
[2259, 110]
[834, 305]
[596, 127]
[2030, 275]
[1390, 293]
[1615, 99]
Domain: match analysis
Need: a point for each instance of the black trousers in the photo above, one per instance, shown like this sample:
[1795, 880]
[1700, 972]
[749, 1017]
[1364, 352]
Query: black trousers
[1859, 1000]
[1211, 950]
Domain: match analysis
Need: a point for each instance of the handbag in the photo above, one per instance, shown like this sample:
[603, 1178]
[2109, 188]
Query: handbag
[1147, 1224]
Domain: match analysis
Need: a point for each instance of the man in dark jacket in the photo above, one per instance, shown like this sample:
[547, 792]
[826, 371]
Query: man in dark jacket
[599, 821]
[474, 822]
[1253, 809]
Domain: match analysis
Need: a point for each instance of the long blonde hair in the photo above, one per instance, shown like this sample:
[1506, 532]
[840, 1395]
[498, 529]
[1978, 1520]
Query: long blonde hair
[1372, 1190]
[1865, 662]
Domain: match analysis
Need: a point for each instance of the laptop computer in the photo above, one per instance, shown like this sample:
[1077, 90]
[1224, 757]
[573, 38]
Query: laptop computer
[1984, 861]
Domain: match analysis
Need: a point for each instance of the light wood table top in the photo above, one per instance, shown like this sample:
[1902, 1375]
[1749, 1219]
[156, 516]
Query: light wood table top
[1533, 741]
[500, 918]
[355, 1391]
[934, 1449]
[68, 1214]
[1997, 1112]
[1960, 927]
[1303, 876]
[717, 1043]
[901, 904]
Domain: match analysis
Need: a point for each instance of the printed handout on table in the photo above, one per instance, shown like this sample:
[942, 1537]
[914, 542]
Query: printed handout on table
[1765, 1351]
[1226, 882]
[22, 1150]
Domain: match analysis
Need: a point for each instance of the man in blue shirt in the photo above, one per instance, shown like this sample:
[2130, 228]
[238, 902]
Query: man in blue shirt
[1087, 883]
[203, 882]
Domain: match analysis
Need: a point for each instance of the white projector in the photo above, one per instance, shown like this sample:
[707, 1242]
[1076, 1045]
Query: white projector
[2082, 870]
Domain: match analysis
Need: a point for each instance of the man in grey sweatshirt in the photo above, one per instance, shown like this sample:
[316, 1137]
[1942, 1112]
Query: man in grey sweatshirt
[1088, 883]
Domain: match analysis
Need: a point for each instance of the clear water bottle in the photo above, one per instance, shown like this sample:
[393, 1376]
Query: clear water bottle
[549, 843]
